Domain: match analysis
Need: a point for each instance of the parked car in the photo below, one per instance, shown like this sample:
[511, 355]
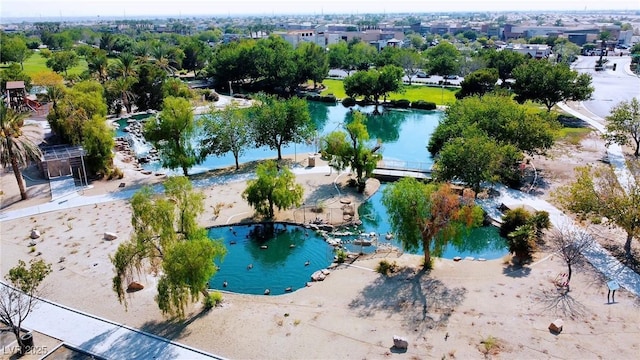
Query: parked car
[450, 77]
[422, 74]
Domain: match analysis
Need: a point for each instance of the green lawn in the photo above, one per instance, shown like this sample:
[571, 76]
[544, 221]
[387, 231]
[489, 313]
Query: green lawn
[412, 93]
[36, 63]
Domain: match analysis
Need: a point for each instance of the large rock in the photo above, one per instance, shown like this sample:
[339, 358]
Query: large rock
[135, 286]
[400, 343]
[35, 234]
[318, 276]
[110, 236]
[556, 326]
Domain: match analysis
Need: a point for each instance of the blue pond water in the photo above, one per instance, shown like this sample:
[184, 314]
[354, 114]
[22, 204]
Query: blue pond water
[484, 242]
[277, 267]
[404, 135]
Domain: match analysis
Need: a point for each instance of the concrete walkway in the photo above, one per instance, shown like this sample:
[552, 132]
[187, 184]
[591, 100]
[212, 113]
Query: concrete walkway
[102, 337]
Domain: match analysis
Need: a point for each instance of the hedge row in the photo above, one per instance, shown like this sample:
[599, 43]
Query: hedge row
[400, 104]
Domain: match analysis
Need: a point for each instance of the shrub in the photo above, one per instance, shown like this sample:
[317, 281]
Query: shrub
[214, 299]
[384, 267]
[341, 256]
[328, 99]
[512, 219]
[348, 102]
[401, 104]
[423, 105]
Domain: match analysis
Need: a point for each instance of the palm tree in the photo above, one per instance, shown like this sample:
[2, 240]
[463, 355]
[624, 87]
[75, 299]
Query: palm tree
[122, 87]
[17, 143]
[126, 65]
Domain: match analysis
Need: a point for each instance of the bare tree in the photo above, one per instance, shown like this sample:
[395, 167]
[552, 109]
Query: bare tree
[570, 243]
[18, 298]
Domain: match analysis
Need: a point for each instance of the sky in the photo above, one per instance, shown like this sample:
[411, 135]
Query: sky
[176, 8]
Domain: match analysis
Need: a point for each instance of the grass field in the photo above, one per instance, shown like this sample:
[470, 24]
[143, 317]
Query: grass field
[36, 63]
[412, 93]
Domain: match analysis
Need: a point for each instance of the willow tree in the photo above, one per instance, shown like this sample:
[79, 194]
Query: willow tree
[273, 187]
[597, 193]
[351, 148]
[167, 240]
[428, 216]
[18, 143]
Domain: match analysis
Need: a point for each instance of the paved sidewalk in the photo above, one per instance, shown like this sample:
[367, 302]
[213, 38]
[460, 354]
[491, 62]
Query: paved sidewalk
[596, 254]
[105, 338]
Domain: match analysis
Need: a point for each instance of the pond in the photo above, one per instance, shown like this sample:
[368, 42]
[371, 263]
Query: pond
[484, 242]
[281, 264]
[403, 133]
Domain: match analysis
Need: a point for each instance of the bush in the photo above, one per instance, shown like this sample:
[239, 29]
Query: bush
[214, 299]
[423, 105]
[328, 99]
[341, 256]
[512, 219]
[400, 104]
[348, 102]
[384, 267]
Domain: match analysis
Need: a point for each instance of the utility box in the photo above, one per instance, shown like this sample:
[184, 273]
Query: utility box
[312, 161]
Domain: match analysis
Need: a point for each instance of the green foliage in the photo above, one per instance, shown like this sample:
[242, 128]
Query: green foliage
[166, 237]
[500, 118]
[478, 83]
[623, 125]
[522, 229]
[273, 187]
[423, 105]
[348, 102]
[214, 299]
[385, 267]
[172, 134]
[176, 88]
[597, 193]
[277, 122]
[548, 84]
[312, 62]
[14, 49]
[14, 73]
[148, 88]
[61, 61]
[413, 93]
[423, 215]
[226, 130]
[351, 149]
[28, 279]
[513, 219]
[374, 83]
[98, 143]
[442, 59]
[504, 62]
[341, 256]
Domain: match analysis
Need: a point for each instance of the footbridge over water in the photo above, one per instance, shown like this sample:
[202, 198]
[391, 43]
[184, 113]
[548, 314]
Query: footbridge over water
[392, 170]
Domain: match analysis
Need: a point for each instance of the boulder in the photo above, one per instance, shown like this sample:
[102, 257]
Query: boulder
[457, 258]
[110, 236]
[400, 343]
[35, 234]
[556, 326]
[135, 286]
[318, 276]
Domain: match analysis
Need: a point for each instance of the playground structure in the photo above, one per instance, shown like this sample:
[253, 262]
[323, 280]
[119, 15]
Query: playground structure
[18, 100]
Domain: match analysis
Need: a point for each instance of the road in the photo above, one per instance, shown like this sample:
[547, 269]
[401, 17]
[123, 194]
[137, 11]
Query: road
[611, 87]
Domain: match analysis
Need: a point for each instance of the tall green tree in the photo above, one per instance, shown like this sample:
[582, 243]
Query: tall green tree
[478, 83]
[18, 143]
[148, 88]
[351, 148]
[14, 49]
[173, 133]
[61, 61]
[274, 61]
[374, 83]
[428, 216]
[166, 239]
[549, 84]
[312, 63]
[18, 299]
[597, 193]
[226, 130]
[472, 158]
[278, 122]
[273, 187]
[443, 59]
[501, 118]
[98, 143]
[623, 125]
[505, 61]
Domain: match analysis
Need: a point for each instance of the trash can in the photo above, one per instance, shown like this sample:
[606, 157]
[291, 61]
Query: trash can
[312, 161]
[27, 343]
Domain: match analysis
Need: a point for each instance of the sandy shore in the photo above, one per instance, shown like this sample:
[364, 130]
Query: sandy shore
[451, 312]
